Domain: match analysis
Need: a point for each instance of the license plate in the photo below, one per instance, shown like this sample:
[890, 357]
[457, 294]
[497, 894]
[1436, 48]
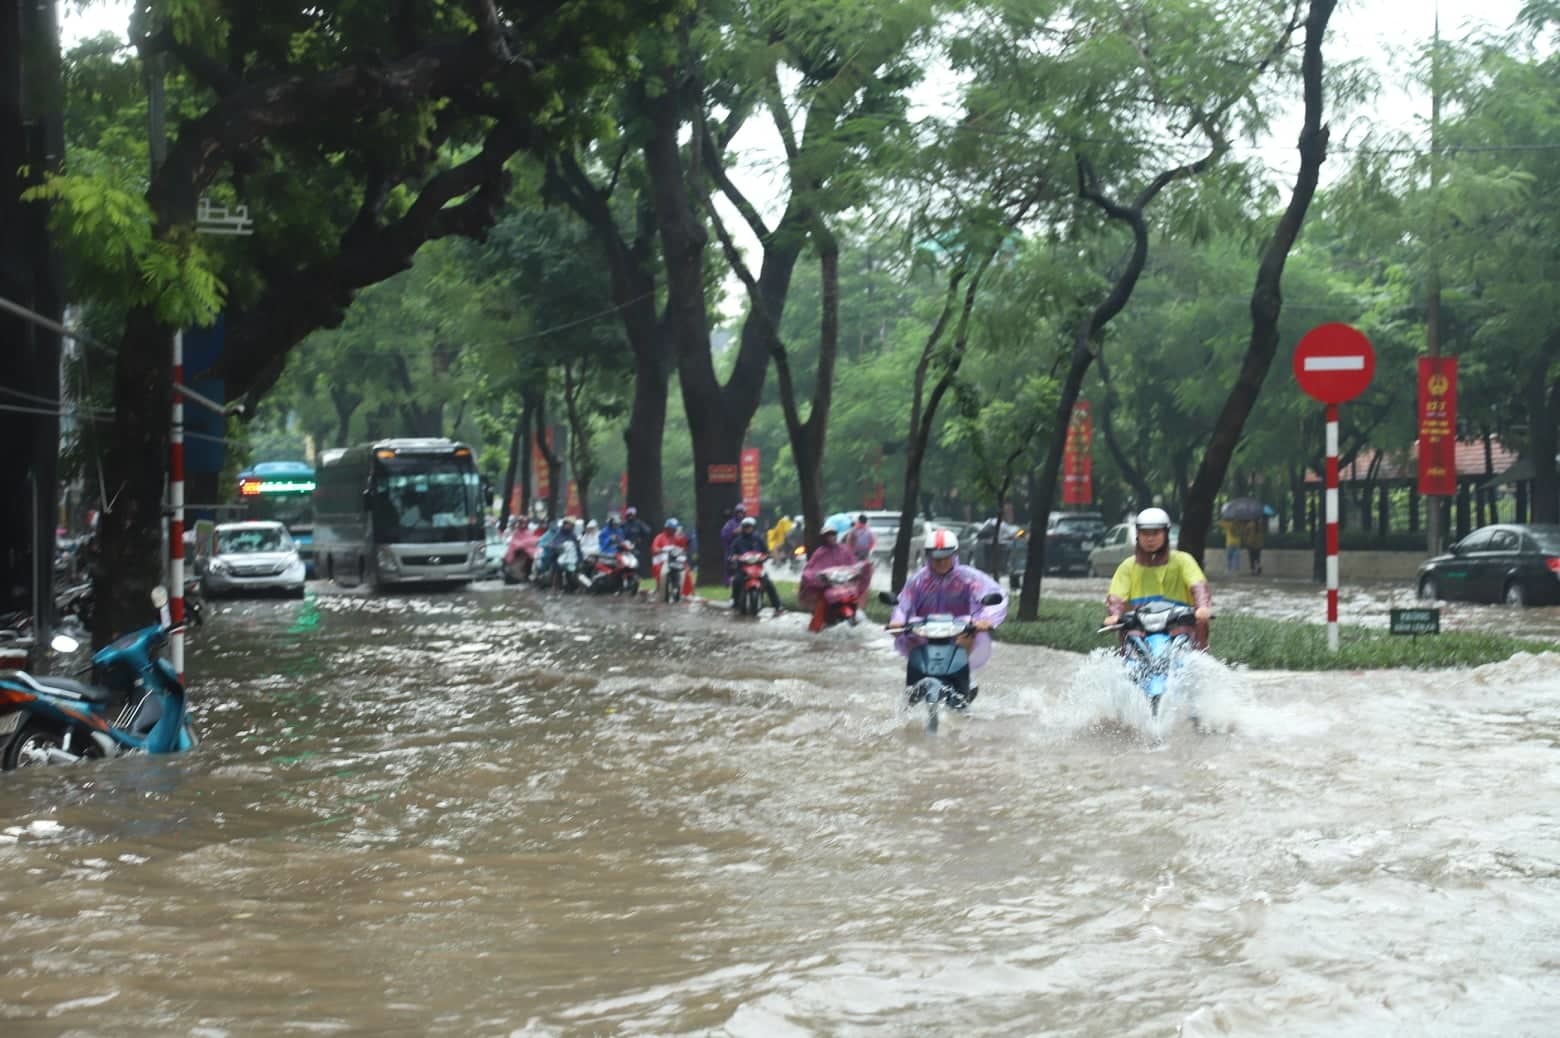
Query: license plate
[10, 722]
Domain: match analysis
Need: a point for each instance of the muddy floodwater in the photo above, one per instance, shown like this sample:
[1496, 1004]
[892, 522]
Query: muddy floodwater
[503, 813]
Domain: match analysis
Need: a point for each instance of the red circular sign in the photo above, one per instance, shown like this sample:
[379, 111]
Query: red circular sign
[1334, 363]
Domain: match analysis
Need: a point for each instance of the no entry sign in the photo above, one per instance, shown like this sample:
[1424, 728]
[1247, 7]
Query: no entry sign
[1334, 363]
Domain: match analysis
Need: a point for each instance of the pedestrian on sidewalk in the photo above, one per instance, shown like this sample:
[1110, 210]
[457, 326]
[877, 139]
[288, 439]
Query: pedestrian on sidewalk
[1252, 537]
[1231, 546]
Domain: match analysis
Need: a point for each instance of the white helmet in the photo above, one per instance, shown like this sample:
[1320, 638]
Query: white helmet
[1153, 519]
[941, 544]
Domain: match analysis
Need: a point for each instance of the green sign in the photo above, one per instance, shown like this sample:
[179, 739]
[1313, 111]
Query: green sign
[1416, 621]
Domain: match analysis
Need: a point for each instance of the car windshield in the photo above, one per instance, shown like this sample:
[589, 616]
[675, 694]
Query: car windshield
[247, 542]
[425, 499]
[1078, 525]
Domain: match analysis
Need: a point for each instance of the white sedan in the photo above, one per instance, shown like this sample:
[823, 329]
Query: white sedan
[252, 557]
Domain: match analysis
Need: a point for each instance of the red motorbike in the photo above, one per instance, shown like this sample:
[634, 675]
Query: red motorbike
[520, 555]
[748, 588]
[840, 600]
[616, 572]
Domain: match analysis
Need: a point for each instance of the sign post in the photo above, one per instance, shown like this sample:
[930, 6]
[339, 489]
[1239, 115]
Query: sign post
[1333, 364]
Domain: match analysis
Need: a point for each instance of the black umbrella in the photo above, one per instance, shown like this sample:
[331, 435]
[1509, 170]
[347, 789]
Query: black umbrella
[1243, 508]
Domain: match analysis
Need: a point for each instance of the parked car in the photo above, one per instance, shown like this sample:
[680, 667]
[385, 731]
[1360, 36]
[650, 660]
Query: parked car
[250, 557]
[1117, 545]
[1069, 537]
[1517, 565]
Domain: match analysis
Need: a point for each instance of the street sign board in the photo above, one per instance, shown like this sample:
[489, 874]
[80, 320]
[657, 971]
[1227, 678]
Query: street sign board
[1334, 363]
[1415, 621]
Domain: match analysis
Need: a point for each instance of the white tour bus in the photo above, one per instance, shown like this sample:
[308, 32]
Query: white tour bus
[398, 511]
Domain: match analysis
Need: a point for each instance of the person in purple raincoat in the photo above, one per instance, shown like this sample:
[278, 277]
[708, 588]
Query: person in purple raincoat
[944, 586]
[728, 533]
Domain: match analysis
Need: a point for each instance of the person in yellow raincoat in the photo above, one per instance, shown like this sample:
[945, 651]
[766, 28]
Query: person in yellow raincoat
[775, 536]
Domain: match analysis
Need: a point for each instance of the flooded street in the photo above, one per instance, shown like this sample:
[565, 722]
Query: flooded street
[498, 812]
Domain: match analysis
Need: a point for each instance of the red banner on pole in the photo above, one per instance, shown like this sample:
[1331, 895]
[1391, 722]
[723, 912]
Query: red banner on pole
[572, 505]
[750, 479]
[1438, 426]
[1077, 458]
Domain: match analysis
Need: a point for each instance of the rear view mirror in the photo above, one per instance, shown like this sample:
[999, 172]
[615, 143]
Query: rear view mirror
[887, 599]
[995, 598]
[64, 643]
[1455, 549]
[159, 597]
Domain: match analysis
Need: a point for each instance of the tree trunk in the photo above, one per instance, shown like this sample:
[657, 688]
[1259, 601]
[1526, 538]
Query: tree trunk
[527, 486]
[632, 270]
[550, 456]
[516, 443]
[1266, 298]
[1083, 352]
[923, 405]
[718, 415]
[31, 145]
[582, 459]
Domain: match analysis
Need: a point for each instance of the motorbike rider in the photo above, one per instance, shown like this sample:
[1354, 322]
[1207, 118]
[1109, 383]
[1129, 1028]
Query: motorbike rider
[1155, 573]
[747, 540]
[860, 538]
[729, 532]
[610, 538]
[829, 554]
[637, 531]
[671, 536]
[945, 586]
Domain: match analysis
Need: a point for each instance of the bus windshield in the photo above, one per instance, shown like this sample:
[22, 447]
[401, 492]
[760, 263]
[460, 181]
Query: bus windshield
[423, 499]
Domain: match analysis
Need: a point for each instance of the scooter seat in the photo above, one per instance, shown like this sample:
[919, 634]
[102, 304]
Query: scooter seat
[74, 689]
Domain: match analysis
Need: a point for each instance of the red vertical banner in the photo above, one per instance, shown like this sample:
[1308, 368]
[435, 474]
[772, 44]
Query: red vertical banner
[1077, 458]
[572, 506]
[1438, 426]
[750, 480]
[623, 488]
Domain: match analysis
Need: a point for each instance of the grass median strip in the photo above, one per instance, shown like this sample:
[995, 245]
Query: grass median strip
[1249, 641]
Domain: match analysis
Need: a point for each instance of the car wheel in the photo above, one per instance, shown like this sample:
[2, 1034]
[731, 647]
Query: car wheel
[1516, 595]
[1428, 590]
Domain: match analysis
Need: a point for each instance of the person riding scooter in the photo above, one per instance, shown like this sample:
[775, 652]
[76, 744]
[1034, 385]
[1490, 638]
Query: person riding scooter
[1155, 572]
[671, 536]
[749, 540]
[830, 554]
[943, 586]
[638, 531]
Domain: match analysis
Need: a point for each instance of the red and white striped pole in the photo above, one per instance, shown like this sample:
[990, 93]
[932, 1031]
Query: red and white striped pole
[1332, 527]
[176, 512]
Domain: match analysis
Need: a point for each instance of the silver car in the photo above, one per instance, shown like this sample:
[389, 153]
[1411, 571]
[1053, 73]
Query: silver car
[250, 557]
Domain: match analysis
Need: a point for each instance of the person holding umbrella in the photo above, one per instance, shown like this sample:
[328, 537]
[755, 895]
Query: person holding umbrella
[1250, 518]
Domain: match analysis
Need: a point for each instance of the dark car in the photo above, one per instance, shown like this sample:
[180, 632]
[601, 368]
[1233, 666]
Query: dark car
[1517, 565]
[1069, 537]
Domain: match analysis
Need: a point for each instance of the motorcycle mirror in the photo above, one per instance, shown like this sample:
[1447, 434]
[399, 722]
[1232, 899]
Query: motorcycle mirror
[887, 599]
[64, 643]
[159, 597]
[995, 598]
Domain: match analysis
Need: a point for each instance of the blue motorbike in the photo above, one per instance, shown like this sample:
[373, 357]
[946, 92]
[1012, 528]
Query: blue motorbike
[1157, 639]
[141, 705]
[942, 662]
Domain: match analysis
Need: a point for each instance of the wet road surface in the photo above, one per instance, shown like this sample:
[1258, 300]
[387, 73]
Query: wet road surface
[497, 812]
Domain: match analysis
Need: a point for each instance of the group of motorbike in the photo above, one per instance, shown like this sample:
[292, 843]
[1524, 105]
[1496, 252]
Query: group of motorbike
[542, 555]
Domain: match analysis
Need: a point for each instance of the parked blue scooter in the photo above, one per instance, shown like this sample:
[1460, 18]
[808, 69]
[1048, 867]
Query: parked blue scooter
[55, 720]
[1157, 639]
